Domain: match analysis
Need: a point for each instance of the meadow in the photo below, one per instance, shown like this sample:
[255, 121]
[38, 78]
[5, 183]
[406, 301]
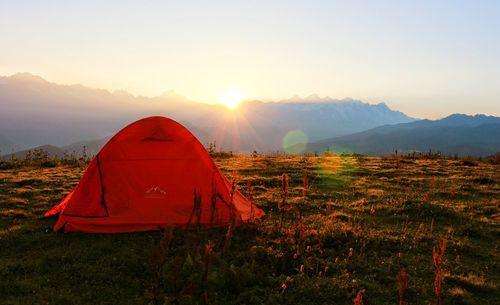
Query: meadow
[338, 230]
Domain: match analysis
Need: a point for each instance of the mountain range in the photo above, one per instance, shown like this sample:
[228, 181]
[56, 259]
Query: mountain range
[63, 118]
[459, 134]
[35, 112]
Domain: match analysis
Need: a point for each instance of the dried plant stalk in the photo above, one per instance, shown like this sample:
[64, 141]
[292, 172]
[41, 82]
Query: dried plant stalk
[438, 259]
[403, 284]
[284, 196]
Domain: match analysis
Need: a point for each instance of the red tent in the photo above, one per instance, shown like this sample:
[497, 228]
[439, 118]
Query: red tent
[152, 173]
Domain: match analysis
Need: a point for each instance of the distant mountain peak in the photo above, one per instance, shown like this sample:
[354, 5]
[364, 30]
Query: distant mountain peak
[26, 76]
[463, 116]
[169, 93]
[350, 100]
[382, 105]
[469, 120]
[123, 93]
[172, 94]
[295, 98]
[313, 97]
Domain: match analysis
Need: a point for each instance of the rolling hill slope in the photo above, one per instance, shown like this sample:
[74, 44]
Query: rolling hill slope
[461, 134]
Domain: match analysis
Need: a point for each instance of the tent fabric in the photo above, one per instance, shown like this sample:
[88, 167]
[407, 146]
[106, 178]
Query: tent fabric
[151, 174]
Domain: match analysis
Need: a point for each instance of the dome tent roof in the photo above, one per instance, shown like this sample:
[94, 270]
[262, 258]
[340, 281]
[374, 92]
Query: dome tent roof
[151, 174]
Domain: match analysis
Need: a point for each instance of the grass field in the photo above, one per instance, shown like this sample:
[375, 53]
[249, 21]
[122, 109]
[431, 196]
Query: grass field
[364, 220]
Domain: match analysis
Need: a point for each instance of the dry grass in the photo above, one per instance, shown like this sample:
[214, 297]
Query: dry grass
[346, 224]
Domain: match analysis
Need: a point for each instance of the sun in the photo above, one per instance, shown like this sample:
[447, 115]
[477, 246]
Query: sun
[231, 98]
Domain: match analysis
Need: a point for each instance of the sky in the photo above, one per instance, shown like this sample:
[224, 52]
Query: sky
[425, 58]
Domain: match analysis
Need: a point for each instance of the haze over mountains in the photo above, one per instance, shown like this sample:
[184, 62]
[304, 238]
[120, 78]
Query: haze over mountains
[35, 112]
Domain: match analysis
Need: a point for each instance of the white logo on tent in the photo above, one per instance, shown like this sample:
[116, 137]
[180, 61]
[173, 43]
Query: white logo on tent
[155, 192]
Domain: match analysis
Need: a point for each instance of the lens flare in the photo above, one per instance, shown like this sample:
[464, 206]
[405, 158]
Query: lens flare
[295, 142]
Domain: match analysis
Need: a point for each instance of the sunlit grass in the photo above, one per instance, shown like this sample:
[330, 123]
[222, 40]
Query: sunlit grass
[365, 219]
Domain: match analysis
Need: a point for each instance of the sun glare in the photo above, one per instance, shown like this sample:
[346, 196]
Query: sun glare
[231, 99]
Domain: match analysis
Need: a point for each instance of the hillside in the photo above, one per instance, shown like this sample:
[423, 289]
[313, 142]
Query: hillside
[7, 145]
[456, 134]
[48, 151]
